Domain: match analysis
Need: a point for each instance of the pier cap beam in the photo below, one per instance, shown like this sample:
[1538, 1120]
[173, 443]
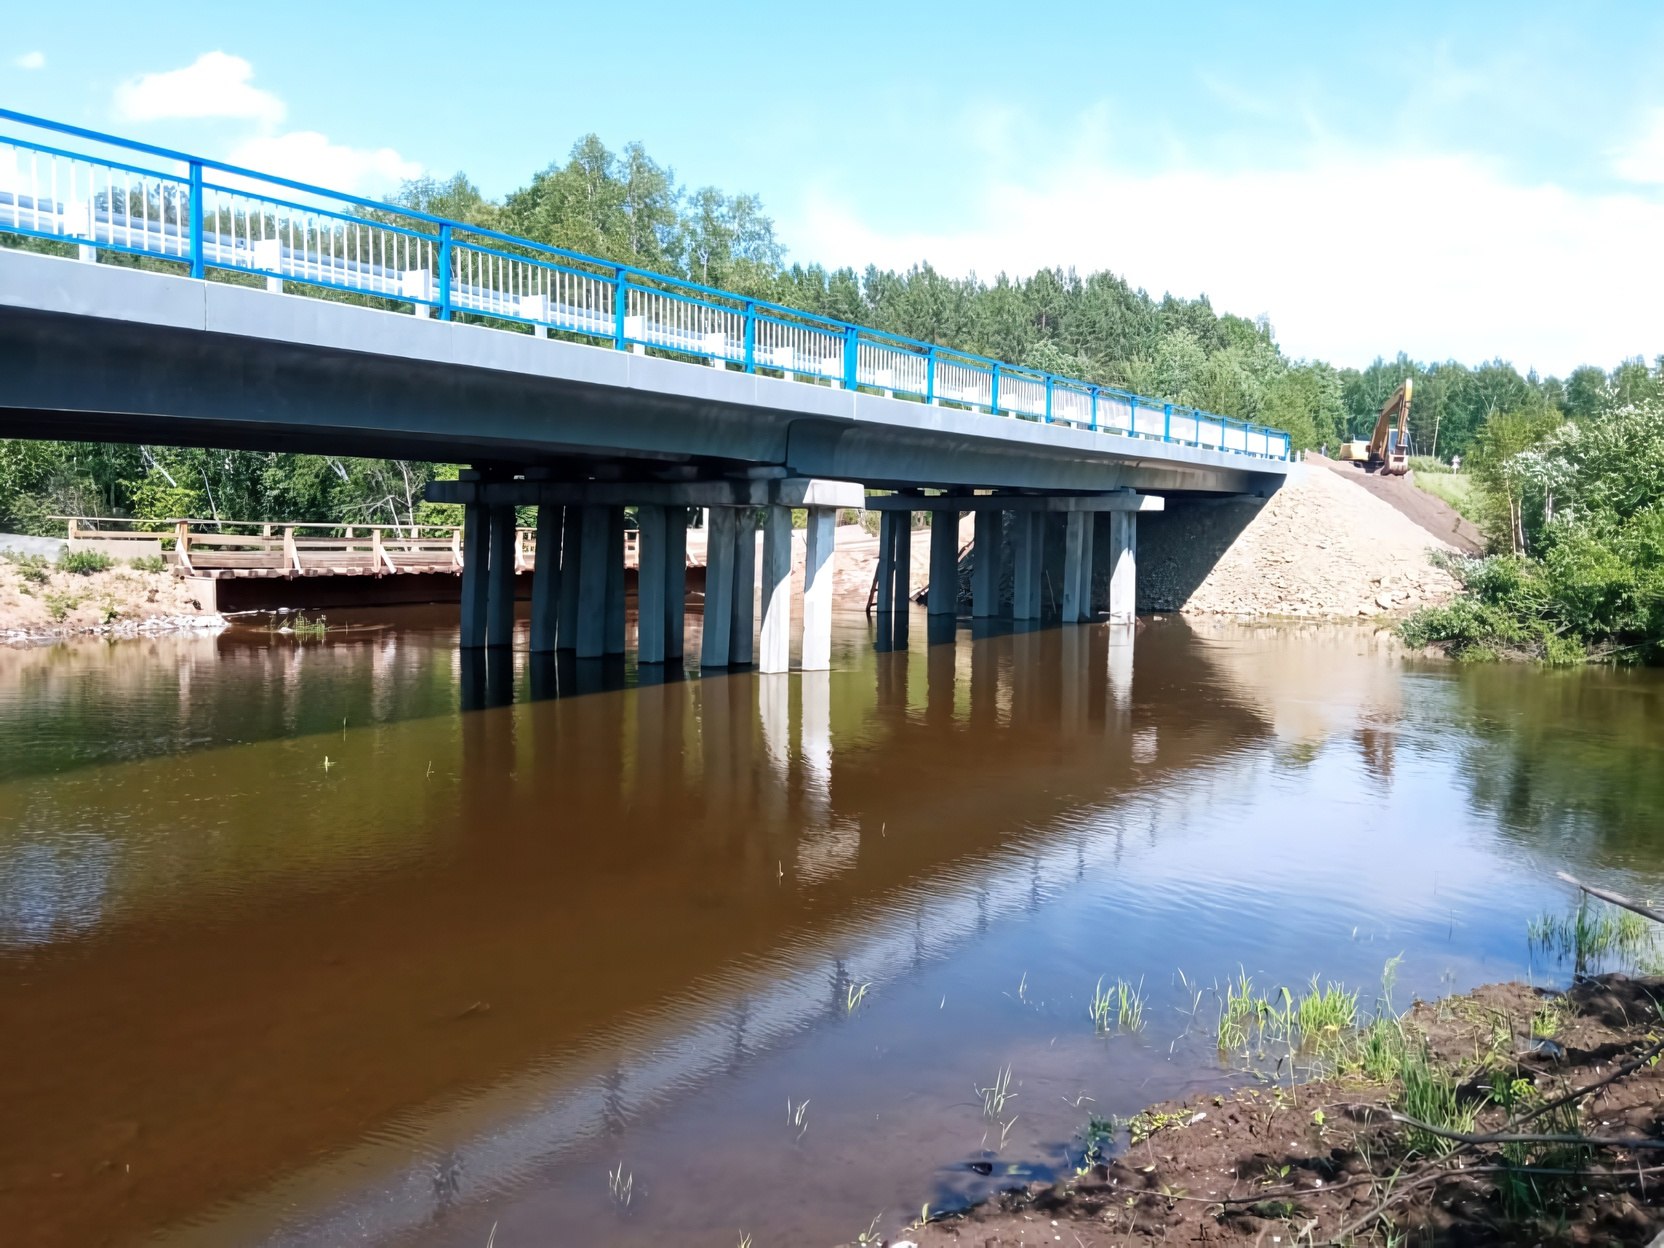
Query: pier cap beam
[781, 491]
[1115, 500]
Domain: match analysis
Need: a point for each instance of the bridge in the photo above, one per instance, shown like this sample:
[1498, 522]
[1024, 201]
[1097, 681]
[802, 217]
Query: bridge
[158, 297]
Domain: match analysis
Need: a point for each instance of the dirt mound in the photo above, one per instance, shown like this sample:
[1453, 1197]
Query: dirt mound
[1319, 547]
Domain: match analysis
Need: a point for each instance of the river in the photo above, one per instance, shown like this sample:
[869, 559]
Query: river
[305, 942]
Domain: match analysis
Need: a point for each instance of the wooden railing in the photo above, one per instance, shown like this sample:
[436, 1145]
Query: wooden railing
[272, 548]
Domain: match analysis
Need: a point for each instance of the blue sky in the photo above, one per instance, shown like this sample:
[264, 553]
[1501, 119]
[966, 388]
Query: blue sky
[1457, 180]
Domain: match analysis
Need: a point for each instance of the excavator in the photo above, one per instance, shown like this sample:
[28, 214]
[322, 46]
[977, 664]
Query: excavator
[1388, 449]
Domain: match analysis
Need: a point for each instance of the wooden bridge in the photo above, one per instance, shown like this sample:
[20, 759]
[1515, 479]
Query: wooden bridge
[236, 549]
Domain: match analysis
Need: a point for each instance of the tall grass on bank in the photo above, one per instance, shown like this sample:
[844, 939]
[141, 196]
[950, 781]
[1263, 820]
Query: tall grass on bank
[1591, 933]
[1456, 489]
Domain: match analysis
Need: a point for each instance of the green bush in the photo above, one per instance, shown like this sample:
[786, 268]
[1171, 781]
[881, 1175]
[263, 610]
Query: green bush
[84, 562]
[1428, 463]
[1588, 500]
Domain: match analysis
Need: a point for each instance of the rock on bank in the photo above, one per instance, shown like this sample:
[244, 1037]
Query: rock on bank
[1318, 547]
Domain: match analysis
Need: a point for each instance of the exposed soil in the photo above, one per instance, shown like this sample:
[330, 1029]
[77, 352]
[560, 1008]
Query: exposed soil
[1317, 548]
[42, 602]
[1323, 1162]
[1433, 514]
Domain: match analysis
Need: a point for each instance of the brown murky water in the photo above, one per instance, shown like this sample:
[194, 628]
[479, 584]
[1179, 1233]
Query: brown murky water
[295, 950]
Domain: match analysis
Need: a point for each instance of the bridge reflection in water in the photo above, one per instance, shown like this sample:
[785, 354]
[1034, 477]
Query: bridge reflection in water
[472, 945]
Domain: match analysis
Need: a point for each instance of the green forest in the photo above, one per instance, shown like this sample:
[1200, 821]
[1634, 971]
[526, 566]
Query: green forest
[1535, 444]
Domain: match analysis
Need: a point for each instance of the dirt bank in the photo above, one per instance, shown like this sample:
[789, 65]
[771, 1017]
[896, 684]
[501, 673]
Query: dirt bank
[1319, 547]
[1325, 1162]
[39, 601]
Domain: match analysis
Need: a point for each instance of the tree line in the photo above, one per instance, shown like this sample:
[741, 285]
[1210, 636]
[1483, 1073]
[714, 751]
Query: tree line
[626, 207]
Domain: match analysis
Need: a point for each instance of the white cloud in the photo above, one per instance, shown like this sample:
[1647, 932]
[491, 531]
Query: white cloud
[1643, 160]
[1352, 253]
[220, 86]
[215, 85]
[308, 156]
[31, 60]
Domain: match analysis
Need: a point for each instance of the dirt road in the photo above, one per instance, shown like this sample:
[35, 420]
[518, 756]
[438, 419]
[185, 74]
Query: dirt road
[1433, 514]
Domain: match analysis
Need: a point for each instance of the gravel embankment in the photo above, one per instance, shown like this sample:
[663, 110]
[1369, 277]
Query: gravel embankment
[1319, 547]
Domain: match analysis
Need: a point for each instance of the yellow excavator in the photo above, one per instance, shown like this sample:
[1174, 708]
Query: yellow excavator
[1388, 449]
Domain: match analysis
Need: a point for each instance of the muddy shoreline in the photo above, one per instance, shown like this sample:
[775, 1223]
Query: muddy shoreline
[1326, 1161]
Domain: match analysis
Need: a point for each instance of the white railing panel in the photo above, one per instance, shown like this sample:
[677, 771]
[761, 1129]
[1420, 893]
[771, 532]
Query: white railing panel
[802, 349]
[891, 368]
[963, 383]
[1023, 395]
[682, 325]
[1072, 407]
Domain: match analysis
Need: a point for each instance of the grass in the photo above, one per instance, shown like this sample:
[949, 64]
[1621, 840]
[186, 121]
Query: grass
[58, 606]
[797, 1115]
[1238, 1010]
[1119, 1007]
[1377, 1052]
[1455, 488]
[1097, 1141]
[84, 562]
[148, 563]
[1433, 1096]
[1322, 1014]
[995, 1096]
[623, 1186]
[853, 996]
[306, 628]
[32, 568]
[1590, 933]
[1321, 1018]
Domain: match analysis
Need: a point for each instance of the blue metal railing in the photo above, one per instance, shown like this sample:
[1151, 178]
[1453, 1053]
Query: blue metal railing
[208, 215]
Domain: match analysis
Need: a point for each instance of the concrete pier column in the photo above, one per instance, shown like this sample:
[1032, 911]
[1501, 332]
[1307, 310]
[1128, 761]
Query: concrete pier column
[675, 581]
[499, 606]
[719, 588]
[476, 561]
[742, 637]
[1077, 568]
[903, 571]
[942, 597]
[817, 589]
[774, 650]
[546, 579]
[592, 584]
[986, 560]
[887, 521]
[651, 584]
[571, 558]
[1100, 562]
[1088, 542]
[1026, 564]
[1037, 564]
[615, 581]
[1123, 566]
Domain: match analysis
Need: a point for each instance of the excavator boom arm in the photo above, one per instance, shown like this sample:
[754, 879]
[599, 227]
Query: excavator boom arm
[1384, 448]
